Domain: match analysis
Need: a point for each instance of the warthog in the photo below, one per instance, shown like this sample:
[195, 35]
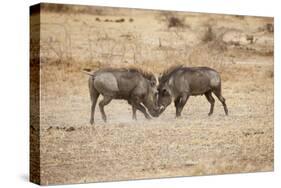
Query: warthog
[134, 85]
[179, 82]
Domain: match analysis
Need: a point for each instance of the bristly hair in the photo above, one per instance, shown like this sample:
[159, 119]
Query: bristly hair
[148, 75]
[145, 74]
[168, 72]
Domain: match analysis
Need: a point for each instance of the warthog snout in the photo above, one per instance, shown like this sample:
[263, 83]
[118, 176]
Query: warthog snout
[156, 112]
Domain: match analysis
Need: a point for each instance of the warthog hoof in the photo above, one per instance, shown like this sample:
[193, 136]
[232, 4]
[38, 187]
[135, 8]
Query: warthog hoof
[178, 116]
[92, 121]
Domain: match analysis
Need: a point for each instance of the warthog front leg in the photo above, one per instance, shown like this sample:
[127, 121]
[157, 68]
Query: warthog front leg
[141, 108]
[180, 102]
[177, 100]
[105, 101]
[134, 109]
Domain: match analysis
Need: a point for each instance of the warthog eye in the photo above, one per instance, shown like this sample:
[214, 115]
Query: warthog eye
[165, 92]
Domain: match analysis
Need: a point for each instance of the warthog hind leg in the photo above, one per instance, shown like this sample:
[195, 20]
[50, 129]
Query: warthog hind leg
[222, 100]
[211, 100]
[94, 97]
[105, 101]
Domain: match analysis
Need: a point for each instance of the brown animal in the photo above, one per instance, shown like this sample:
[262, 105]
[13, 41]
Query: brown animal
[179, 83]
[131, 84]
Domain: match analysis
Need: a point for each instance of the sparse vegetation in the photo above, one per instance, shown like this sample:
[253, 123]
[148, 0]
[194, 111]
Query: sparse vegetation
[240, 17]
[250, 38]
[70, 9]
[175, 22]
[120, 20]
[209, 35]
[73, 151]
[270, 27]
[171, 20]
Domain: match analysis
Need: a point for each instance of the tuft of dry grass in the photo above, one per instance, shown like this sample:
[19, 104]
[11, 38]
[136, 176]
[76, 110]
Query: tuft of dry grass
[209, 35]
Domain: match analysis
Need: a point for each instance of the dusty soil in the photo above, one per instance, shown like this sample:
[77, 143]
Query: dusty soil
[73, 151]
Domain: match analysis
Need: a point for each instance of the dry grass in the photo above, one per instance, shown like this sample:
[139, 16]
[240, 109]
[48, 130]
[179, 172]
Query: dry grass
[73, 151]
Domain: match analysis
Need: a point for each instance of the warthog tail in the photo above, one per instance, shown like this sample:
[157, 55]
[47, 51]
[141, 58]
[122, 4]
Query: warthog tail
[88, 71]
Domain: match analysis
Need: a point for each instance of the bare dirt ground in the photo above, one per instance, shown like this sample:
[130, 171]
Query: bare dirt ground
[73, 151]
